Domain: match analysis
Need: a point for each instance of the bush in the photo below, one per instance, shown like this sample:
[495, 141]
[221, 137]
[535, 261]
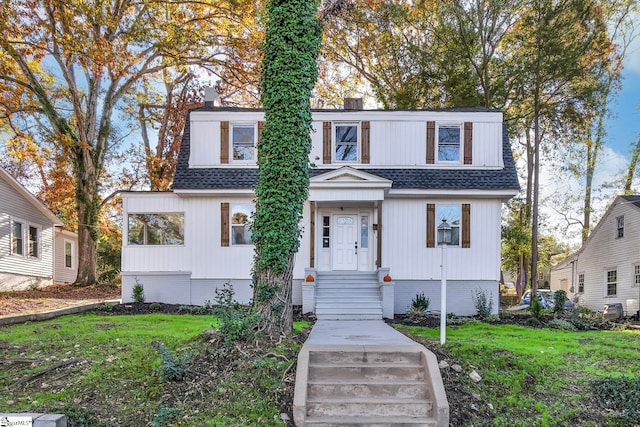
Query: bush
[174, 367]
[559, 298]
[164, 416]
[419, 306]
[620, 394]
[562, 324]
[235, 321]
[535, 308]
[483, 303]
[137, 293]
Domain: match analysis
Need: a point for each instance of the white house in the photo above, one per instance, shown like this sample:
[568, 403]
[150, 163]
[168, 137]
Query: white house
[380, 184]
[34, 249]
[606, 269]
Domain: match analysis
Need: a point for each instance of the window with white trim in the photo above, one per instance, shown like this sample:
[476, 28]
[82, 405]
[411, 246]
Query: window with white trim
[243, 142]
[156, 229]
[612, 282]
[241, 224]
[346, 141]
[449, 140]
[636, 275]
[620, 227]
[581, 283]
[68, 254]
[34, 242]
[17, 237]
[450, 213]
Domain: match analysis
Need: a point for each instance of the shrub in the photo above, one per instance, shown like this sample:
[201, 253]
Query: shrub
[562, 324]
[536, 308]
[155, 306]
[164, 415]
[173, 367]
[559, 298]
[533, 322]
[419, 306]
[620, 394]
[137, 293]
[235, 321]
[483, 303]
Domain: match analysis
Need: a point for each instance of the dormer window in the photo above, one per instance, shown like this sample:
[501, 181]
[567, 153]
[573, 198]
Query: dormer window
[449, 143]
[243, 142]
[346, 137]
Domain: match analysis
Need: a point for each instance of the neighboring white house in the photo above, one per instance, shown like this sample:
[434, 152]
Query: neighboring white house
[28, 256]
[606, 269]
[381, 183]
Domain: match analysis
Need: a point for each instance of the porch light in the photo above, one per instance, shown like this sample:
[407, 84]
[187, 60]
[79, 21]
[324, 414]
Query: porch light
[444, 239]
[444, 233]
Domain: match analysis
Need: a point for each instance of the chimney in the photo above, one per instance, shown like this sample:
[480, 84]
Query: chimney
[210, 96]
[353, 103]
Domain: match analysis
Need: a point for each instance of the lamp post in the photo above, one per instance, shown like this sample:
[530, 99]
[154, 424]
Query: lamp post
[444, 238]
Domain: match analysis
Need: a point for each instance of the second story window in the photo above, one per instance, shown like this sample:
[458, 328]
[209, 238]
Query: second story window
[620, 227]
[581, 283]
[449, 143]
[346, 142]
[243, 140]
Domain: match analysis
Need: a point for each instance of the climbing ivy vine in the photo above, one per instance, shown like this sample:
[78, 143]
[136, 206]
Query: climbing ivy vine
[289, 72]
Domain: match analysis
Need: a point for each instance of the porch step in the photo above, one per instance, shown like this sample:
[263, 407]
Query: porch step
[347, 295]
[368, 389]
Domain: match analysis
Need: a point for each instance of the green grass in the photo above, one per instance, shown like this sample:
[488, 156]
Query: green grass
[118, 379]
[537, 377]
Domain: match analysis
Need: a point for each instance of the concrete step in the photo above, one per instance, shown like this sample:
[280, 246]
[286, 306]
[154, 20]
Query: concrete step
[349, 316]
[350, 357]
[380, 421]
[402, 390]
[337, 304]
[371, 372]
[376, 406]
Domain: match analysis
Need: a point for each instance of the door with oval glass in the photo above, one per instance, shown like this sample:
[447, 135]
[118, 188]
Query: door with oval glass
[345, 242]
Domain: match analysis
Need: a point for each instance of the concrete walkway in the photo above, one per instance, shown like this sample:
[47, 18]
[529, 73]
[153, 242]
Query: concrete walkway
[354, 362]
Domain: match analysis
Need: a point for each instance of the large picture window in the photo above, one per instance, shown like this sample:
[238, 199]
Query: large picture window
[450, 213]
[241, 224]
[156, 229]
[243, 139]
[346, 142]
[449, 143]
[17, 238]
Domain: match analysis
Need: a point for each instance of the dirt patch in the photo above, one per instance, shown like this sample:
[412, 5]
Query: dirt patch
[54, 297]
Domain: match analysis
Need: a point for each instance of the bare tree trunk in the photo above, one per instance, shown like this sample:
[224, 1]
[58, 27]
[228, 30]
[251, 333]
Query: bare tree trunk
[88, 206]
[534, 213]
[632, 168]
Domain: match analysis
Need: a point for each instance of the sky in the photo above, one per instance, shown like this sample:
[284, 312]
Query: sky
[623, 128]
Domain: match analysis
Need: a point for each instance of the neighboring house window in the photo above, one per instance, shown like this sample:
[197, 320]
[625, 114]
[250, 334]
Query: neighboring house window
[449, 143]
[243, 141]
[156, 229]
[68, 259]
[637, 275]
[612, 282]
[620, 226]
[241, 224]
[581, 283]
[450, 213]
[540, 275]
[346, 142]
[34, 242]
[17, 238]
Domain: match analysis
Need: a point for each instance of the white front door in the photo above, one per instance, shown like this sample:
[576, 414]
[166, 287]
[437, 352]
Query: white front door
[345, 242]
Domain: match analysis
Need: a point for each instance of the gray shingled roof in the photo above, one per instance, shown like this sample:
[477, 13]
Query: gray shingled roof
[227, 178]
[635, 199]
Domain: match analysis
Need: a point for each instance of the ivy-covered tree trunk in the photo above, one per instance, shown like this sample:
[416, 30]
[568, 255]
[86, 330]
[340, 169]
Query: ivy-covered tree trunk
[289, 72]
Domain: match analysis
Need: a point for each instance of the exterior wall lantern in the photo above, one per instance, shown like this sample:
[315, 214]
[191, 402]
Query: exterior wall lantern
[444, 239]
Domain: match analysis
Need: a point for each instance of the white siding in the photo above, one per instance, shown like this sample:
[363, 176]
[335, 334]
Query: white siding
[397, 138]
[62, 273]
[13, 205]
[405, 250]
[603, 251]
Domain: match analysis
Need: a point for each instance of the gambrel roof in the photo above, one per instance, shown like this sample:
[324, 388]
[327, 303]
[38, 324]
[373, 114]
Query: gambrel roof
[403, 178]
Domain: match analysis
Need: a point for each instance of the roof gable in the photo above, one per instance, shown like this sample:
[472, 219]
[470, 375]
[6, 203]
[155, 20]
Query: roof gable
[4, 175]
